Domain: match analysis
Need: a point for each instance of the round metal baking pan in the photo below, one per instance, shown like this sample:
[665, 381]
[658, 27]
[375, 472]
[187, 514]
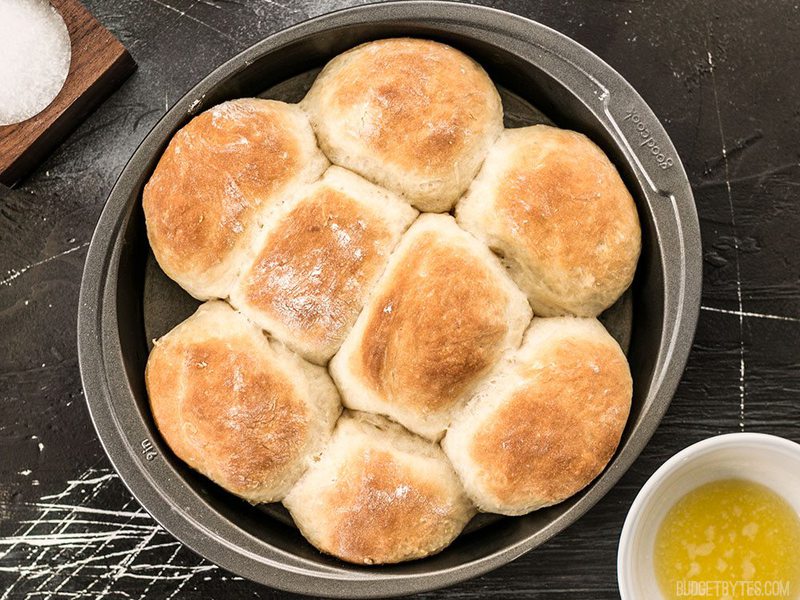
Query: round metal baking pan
[124, 298]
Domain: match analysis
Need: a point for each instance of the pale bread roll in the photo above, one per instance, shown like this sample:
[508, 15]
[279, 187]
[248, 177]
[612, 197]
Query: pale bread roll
[216, 183]
[414, 116]
[379, 495]
[554, 207]
[318, 260]
[246, 413]
[547, 421]
[440, 317]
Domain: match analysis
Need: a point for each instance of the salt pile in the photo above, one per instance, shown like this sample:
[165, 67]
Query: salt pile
[34, 58]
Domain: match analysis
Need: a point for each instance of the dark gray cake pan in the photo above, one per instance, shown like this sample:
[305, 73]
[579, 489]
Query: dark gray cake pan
[124, 298]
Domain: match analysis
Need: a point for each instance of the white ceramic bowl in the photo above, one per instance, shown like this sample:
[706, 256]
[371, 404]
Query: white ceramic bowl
[758, 457]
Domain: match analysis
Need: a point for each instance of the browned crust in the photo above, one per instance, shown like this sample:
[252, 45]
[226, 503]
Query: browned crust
[225, 411]
[315, 268]
[387, 513]
[564, 205]
[435, 329]
[426, 102]
[557, 432]
[211, 179]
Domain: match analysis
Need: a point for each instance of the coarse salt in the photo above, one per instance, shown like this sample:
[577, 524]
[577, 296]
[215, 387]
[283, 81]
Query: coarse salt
[35, 55]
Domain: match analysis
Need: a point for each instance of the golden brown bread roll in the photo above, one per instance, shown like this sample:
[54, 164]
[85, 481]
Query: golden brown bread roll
[414, 116]
[554, 207]
[547, 421]
[248, 414]
[215, 184]
[440, 317]
[379, 495]
[318, 260]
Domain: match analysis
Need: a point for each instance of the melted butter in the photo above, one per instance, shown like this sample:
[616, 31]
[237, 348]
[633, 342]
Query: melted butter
[729, 539]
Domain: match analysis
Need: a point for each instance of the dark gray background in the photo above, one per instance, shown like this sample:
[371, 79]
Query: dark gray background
[724, 77]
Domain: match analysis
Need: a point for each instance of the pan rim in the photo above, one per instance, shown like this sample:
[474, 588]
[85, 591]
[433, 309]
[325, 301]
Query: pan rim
[98, 349]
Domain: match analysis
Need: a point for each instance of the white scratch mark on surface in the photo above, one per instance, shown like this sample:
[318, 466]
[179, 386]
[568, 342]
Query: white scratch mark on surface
[182, 13]
[86, 480]
[28, 531]
[295, 9]
[185, 13]
[14, 273]
[177, 589]
[760, 175]
[70, 549]
[159, 574]
[91, 522]
[71, 540]
[755, 315]
[35, 573]
[88, 510]
[126, 562]
[735, 240]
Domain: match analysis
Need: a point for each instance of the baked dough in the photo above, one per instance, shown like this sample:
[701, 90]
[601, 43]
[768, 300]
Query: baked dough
[216, 183]
[553, 206]
[247, 413]
[441, 316]
[547, 421]
[379, 495]
[420, 318]
[414, 116]
[319, 259]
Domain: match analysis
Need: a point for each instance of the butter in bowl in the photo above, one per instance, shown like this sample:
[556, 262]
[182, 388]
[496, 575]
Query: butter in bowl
[717, 520]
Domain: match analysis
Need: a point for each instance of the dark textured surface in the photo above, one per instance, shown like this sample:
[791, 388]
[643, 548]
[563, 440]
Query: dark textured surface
[723, 79]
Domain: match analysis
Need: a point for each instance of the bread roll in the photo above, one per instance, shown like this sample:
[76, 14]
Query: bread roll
[248, 414]
[414, 116]
[379, 495]
[547, 421]
[215, 183]
[438, 320]
[554, 207]
[318, 261]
